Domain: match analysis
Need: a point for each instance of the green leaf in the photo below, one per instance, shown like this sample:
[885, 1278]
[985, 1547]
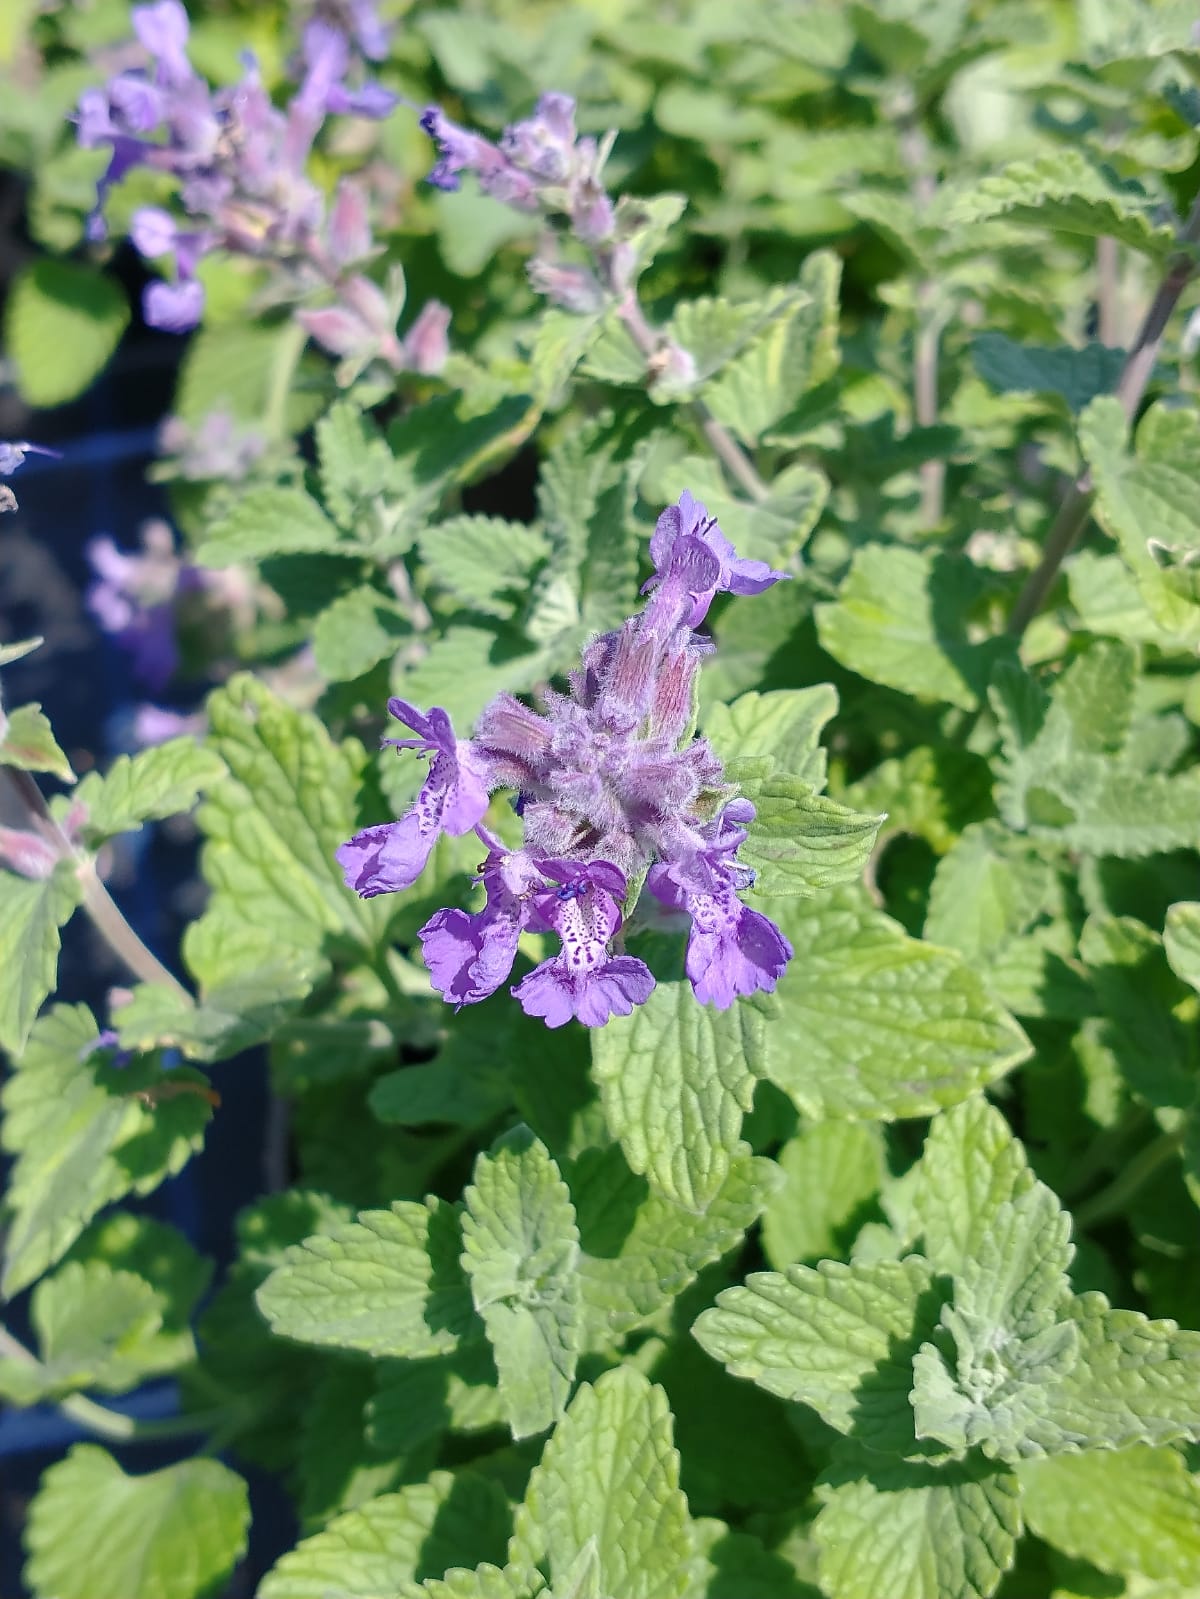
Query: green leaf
[832, 1170]
[642, 228]
[675, 1079]
[484, 561]
[157, 782]
[27, 740]
[83, 1138]
[357, 631]
[233, 368]
[231, 1016]
[1064, 191]
[875, 1024]
[799, 841]
[95, 1533]
[714, 331]
[390, 1544]
[520, 1252]
[784, 724]
[1078, 376]
[1136, 1512]
[610, 1473]
[798, 351]
[485, 1582]
[389, 1283]
[61, 324]
[1142, 500]
[465, 669]
[18, 650]
[640, 1250]
[916, 1532]
[90, 1322]
[1181, 940]
[1149, 1014]
[416, 1400]
[273, 825]
[988, 888]
[32, 910]
[838, 1338]
[268, 521]
[357, 468]
[901, 619]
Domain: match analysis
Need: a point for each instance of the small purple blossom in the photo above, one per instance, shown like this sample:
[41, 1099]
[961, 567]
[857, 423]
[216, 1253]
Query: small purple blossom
[382, 860]
[611, 784]
[12, 455]
[673, 547]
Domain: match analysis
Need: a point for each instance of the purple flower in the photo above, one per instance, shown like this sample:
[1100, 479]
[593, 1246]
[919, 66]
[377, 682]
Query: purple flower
[425, 347]
[162, 29]
[469, 956]
[732, 949]
[674, 550]
[384, 859]
[459, 151]
[584, 979]
[12, 455]
[174, 307]
[28, 854]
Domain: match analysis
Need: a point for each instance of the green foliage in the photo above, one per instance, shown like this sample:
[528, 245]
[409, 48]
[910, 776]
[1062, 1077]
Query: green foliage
[27, 741]
[62, 322]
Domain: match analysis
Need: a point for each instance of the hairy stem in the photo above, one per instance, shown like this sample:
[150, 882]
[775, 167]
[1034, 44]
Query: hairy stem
[1114, 1199]
[1076, 507]
[722, 443]
[97, 901]
[108, 1423]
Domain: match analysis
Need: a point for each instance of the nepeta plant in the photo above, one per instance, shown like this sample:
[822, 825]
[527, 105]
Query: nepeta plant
[726, 977]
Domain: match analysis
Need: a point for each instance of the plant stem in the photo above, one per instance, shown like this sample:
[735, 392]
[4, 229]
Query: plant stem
[113, 1424]
[722, 443]
[1107, 287]
[1111, 1201]
[914, 151]
[1073, 513]
[97, 901]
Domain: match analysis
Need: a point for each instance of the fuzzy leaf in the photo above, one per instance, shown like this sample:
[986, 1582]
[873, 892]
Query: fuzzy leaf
[82, 1138]
[157, 782]
[32, 910]
[520, 1252]
[268, 521]
[916, 1532]
[484, 561]
[1136, 1511]
[386, 1547]
[62, 322]
[357, 631]
[1078, 376]
[784, 724]
[800, 841]
[387, 1284]
[839, 1338]
[95, 1533]
[875, 1024]
[91, 1324]
[901, 620]
[610, 1473]
[831, 1172]
[357, 468]
[1181, 940]
[230, 1017]
[27, 740]
[675, 1079]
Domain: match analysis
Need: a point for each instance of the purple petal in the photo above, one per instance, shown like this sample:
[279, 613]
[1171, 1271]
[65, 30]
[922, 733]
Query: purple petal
[162, 29]
[385, 859]
[153, 231]
[173, 307]
[736, 952]
[555, 994]
[450, 945]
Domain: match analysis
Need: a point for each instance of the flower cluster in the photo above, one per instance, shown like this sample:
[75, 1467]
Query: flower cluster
[613, 789]
[241, 164]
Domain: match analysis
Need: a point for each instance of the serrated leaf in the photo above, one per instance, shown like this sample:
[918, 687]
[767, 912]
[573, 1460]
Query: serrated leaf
[388, 1546]
[1181, 941]
[1136, 1512]
[1077, 376]
[356, 466]
[156, 782]
[875, 1024]
[273, 825]
[640, 1250]
[988, 888]
[268, 521]
[230, 1016]
[466, 668]
[416, 1400]
[610, 1472]
[357, 631]
[675, 1079]
[784, 724]
[916, 1532]
[799, 841]
[484, 561]
[901, 620]
[95, 1533]
[838, 1338]
[82, 1138]
[27, 741]
[389, 1283]
[62, 323]
[485, 1582]
[832, 1170]
[794, 354]
[1065, 191]
[90, 1322]
[32, 910]
[714, 331]
[520, 1252]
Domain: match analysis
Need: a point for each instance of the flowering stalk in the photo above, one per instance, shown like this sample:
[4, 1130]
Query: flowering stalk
[241, 164]
[613, 789]
[542, 165]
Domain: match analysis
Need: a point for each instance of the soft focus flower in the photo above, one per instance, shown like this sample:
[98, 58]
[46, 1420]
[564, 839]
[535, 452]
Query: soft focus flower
[611, 786]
